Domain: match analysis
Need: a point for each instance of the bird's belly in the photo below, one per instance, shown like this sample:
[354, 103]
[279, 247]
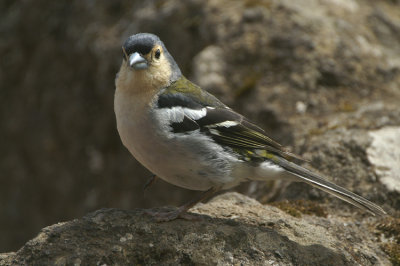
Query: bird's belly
[181, 159]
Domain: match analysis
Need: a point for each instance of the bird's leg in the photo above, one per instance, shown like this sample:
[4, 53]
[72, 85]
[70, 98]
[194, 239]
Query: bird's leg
[181, 212]
[150, 182]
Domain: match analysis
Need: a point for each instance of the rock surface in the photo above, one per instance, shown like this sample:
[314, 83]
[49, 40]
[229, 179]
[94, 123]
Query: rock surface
[386, 158]
[232, 230]
[317, 75]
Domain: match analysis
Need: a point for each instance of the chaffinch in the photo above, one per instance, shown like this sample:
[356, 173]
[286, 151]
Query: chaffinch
[189, 138]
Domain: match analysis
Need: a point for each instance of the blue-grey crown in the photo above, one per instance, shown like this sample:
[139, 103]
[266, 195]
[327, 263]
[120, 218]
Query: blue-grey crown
[141, 43]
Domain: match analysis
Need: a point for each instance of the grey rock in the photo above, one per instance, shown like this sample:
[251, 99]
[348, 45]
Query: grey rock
[209, 72]
[232, 229]
[384, 155]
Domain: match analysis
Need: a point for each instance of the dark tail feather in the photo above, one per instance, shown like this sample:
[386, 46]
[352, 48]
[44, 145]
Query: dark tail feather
[319, 182]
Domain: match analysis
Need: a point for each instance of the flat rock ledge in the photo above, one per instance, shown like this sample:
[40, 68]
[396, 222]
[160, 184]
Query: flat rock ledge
[232, 230]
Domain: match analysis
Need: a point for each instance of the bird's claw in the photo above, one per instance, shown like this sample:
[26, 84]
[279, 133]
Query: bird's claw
[150, 182]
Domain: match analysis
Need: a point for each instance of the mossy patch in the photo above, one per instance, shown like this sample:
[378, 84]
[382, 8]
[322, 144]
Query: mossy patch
[298, 207]
[346, 106]
[390, 228]
[256, 3]
[393, 250]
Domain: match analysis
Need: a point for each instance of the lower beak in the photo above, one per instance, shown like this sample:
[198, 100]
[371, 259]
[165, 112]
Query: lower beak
[136, 61]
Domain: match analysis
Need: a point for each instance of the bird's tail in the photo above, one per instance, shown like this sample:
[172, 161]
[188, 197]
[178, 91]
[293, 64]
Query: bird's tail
[319, 182]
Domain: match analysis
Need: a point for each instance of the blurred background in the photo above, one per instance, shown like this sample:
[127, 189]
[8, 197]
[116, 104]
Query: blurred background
[310, 72]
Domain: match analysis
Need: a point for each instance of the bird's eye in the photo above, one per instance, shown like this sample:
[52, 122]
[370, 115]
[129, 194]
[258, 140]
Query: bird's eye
[157, 54]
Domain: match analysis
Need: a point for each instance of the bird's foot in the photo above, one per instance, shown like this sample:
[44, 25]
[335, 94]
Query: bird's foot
[150, 182]
[181, 212]
[166, 216]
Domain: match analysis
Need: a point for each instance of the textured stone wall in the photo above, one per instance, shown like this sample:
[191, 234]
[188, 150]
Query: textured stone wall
[317, 75]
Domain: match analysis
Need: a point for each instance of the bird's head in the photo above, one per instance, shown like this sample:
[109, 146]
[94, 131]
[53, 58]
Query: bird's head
[147, 63]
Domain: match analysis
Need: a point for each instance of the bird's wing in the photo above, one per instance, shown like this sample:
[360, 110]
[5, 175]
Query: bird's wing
[191, 108]
[234, 130]
[205, 112]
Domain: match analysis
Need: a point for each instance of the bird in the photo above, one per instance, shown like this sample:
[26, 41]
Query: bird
[189, 138]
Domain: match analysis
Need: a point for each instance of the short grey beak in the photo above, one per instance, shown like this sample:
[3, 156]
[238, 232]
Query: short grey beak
[136, 61]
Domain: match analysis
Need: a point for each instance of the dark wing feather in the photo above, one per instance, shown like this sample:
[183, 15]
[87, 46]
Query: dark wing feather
[186, 125]
[244, 135]
[244, 130]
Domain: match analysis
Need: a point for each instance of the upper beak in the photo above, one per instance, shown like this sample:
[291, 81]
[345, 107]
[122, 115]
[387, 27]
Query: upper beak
[136, 61]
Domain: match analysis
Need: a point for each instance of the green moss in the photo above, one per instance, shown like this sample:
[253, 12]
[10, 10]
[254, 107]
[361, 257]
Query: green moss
[390, 227]
[393, 251]
[255, 3]
[321, 130]
[346, 107]
[298, 207]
